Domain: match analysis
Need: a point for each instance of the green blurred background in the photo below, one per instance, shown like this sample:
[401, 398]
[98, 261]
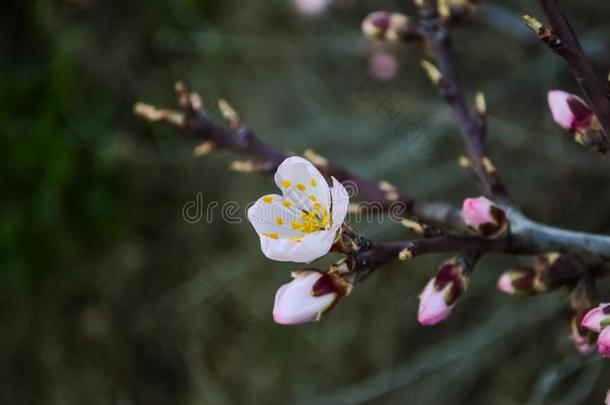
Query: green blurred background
[109, 296]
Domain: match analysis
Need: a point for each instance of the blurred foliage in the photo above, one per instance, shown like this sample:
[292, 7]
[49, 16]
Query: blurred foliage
[110, 297]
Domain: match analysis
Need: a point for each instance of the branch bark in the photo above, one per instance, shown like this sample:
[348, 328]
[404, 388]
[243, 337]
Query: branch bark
[570, 49]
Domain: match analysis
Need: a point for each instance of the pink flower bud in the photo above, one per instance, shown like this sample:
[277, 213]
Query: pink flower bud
[569, 111]
[607, 398]
[518, 281]
[296, 302]
[389, 26]
[597, 318]
[483, 216]
[441, 294]
[603, 343]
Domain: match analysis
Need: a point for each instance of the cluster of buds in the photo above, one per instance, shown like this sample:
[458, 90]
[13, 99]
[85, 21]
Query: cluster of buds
[597, 320]
[391, 27]
[308, 296]
[442, 292]
[573, 114]
[484, 217]
[548, 272]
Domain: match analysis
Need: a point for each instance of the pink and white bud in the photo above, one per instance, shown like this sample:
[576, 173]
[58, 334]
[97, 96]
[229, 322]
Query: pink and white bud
[597, 318]
[518, 281]
[296, 302]
[441, 294]
[607, 402]
[603, 343]
[569, 111]
[484, 217]
[388, 26]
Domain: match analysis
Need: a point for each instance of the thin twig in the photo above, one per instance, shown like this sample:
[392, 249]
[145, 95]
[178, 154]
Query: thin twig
[569, 48]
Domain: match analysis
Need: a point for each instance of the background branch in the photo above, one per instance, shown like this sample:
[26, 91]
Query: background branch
[569, 48]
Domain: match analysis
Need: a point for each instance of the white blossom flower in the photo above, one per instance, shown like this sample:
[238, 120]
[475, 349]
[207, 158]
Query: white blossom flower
[302, 224]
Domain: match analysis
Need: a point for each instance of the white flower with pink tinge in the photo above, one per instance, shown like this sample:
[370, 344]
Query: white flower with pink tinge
[569, 111]
[296, 303]
[302, 224]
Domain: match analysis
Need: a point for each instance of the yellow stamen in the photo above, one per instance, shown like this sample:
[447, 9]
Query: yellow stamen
[287, 203]
[279, 221]
[285, 183]
[313, 182]
[312, 197]
[301, 186]
[271, 235]
[268, 199]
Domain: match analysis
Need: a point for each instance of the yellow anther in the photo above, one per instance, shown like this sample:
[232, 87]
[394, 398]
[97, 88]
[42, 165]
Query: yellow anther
[295, 224]
[268, 199]
[285, 183]
[312, 197]
[287, 203]
[271, 235]
[313, 182]
[279, 221]
[301, 186]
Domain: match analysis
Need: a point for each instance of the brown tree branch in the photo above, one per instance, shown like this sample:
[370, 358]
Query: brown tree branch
[526, 236]
[473, 127]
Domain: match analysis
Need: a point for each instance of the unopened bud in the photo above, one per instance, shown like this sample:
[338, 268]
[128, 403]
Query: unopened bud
[569, 111]
[484, 217]
[306, 298]
[518, 281]
[432, 71]
[441, 294]
[388, 26]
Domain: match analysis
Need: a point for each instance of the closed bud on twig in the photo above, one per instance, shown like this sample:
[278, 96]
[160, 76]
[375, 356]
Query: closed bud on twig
[442, 293]
[228, 113]
[203, 149]
[464, 162]
[432, 71]
[387, 26]
[573, 114]
[308, 296]
[545, 34]
[480, 103]
[246, 166]
[484, 217]
[569, 111]
[520, 281]
[424, 230]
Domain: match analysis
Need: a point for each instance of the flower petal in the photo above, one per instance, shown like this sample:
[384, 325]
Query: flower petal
[309, 248]
[264, 213]
[300, 181]
[340, 203]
